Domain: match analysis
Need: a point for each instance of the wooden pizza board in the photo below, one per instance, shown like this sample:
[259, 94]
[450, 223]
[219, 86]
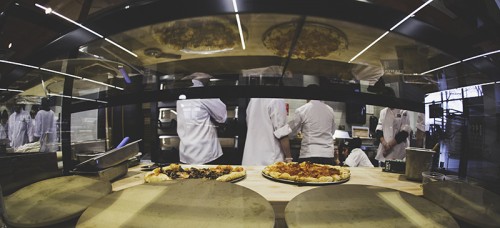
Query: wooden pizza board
[183, 203]
[363, 206]
[53, 201]
[472, 204]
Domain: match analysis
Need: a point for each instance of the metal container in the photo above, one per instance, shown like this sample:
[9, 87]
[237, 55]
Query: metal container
[92, 146]
[109, 174]
[110, 158]
[418, 160]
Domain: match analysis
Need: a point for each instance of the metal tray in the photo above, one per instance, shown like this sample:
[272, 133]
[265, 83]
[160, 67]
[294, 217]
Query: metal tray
[108, 174]
[110, 158]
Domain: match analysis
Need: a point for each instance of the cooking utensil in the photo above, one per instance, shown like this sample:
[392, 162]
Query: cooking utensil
[110, 158]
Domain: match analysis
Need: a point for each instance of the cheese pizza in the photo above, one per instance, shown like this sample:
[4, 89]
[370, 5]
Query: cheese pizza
[307, 172]
[224, 173]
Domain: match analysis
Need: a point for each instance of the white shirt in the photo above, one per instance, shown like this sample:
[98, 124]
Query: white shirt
[391, 122]
[358, 158]
[19, 126]
[315, 121]
[266, 124]
[45, 129]
[199, 143]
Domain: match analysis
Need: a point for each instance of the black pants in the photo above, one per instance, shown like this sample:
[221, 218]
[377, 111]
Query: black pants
[319, 160]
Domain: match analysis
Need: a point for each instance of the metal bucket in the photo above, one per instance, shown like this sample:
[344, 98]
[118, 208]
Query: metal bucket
[418, 160]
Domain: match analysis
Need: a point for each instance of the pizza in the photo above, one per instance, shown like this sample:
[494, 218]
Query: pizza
[315, 40]
[224, 173]
[307, 172]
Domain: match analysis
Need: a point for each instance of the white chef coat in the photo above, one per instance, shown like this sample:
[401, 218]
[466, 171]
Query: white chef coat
[358, 158]
[266, 124]
[392, 121]
[199, 143]
[315, 121]
[45, 129]
[19, 126]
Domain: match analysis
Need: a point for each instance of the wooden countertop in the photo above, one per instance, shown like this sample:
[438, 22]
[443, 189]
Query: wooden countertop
[281, 192]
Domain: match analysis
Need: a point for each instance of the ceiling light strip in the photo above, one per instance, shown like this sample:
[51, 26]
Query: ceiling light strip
[392, 28]
[121, 47]
[482, 55]
[465, 60]
[411, 14]
[12, 90]
[50, 11]
[240, 30]
[61, 73]
[366, 48]
[441, 67]
[77, 98]
[18, 64]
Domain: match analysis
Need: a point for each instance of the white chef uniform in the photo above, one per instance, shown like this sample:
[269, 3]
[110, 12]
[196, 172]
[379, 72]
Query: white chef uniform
[316, 122]
[392, 121]
[358, 158]
[266, 124]
[19, 126]
[199, 143]
[45, 129]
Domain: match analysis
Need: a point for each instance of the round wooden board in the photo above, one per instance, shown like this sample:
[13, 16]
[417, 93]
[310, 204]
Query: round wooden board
[53, 201]
[363, 206]
[472, 204]
[182, 203]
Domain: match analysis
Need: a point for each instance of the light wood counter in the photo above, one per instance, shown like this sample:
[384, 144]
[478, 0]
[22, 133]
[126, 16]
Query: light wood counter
[281, 192]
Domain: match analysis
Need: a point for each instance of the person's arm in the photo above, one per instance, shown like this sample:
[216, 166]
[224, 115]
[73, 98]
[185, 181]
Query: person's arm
[10, 126]
[379, 134]
[285, 147]
[295, 124]
[277, 113]
[216, 109]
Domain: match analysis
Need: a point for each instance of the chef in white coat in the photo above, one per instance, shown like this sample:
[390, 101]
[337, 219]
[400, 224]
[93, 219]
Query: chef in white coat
[267, 132]
[355, 156]
[45, 127]
[196, 128]
[392, 130]
[19, 125]
[315, 120]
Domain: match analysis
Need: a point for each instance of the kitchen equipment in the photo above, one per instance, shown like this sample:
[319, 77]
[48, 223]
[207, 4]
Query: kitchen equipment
[110, 158]
[395, 166]
[108, 174]
[428, 176]
[52, 201]
[122, 143]
[91, 146]
[418, 160]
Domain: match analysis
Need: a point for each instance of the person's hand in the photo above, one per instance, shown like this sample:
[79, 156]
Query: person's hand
[389, 145]
[287, 160]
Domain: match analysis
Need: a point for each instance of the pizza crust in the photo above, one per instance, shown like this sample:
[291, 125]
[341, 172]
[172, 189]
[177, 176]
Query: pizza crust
[224, 173]
[307, 172]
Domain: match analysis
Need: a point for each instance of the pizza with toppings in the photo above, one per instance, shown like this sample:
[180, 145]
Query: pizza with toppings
[224, 173]
[307, 172]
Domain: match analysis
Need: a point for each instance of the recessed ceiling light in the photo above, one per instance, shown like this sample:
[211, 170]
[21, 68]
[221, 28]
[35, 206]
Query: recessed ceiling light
[10, 45]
